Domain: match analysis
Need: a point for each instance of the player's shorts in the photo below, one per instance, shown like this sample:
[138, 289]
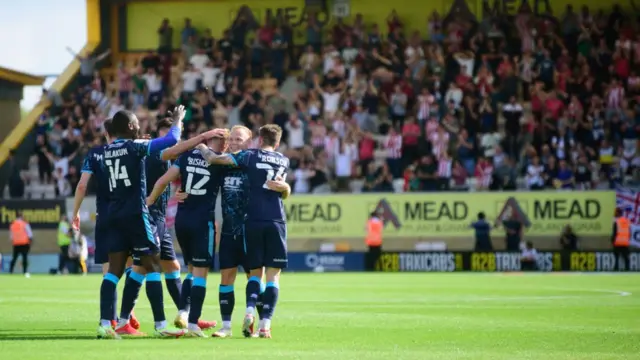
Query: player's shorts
[135, 234]
[167, 252]
[197, 240]
[266, 245]
[101, 238]
[231, 252]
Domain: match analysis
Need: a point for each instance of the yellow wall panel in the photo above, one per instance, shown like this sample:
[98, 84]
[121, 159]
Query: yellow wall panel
[143, 18]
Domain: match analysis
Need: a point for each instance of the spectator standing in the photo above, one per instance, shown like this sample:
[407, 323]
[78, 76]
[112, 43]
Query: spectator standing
[482, 234]
[165, 38]
[373, 240]
[207, 43]
[513, 229]
[21, 238]
[88, 65]
[512, 113]
[124, 84]
[621, 240]
[279, 48]
[393, 145]
[314, 33]
[64, 240]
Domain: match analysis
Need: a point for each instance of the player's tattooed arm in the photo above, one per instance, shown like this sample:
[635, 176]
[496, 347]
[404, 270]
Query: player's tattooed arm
[212, 158]
[158, 188]
[280, 186]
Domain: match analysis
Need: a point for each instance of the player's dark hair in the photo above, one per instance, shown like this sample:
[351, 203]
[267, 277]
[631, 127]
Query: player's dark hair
[18, 213]
[125, 125]
[270, 134]
[374, 214]
[164, 123]
[107, 126]
[481, 215]
[618, 212]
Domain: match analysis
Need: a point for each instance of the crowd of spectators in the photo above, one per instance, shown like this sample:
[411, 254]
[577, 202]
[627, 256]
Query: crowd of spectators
[509, 102]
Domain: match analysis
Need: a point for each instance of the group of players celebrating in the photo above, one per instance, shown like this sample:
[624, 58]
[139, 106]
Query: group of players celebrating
[133, 176]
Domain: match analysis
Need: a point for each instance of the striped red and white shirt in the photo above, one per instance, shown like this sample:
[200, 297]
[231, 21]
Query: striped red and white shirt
[318, 132]
[484, 174]
[615, 97]
[393, 146]
[439, 143]
[424, 106]
[331, 145]
[431, 127]
[444, 168]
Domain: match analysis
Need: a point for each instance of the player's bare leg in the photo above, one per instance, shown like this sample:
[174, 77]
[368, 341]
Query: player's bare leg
[253, 291]
[227, 279]
[270, 299]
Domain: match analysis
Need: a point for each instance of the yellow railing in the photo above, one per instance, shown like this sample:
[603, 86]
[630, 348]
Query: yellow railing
[17, 135]
[22, 129]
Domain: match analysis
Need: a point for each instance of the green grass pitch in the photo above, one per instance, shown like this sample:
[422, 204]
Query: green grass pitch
[351, 316]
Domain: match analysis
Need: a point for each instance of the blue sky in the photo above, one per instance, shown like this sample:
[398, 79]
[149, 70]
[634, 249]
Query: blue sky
[34, 35]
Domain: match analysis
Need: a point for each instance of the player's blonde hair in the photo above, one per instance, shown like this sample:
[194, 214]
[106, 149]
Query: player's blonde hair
[243, 128]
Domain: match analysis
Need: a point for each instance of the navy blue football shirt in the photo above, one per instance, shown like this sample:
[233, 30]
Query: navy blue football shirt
[155, 167]
[234, 200]
[260, 167]
[201, 181]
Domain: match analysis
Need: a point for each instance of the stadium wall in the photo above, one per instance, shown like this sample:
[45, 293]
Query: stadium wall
[144, 16]
[546, 261]
[411, 219]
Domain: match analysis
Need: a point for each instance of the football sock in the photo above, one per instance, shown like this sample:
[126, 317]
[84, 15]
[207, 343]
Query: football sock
[185, 294]
[252, 292]
[198, 293]
[227, 300]
[154, 293]
[270, 299]
[132, 286]
[260, 303]
[174, 285]
[107, 292]
[115, 305]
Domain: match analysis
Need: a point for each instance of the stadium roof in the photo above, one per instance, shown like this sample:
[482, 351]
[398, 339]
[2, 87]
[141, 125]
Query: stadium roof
[20, 77]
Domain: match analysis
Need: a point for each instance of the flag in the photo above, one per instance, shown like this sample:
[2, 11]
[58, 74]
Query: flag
[628, 201]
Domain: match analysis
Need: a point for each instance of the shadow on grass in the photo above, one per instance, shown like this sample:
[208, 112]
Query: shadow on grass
[25, 335]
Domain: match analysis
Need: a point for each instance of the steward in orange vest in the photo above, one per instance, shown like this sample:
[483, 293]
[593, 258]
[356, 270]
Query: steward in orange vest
[21, 237]
[373, 240]
[620, 240]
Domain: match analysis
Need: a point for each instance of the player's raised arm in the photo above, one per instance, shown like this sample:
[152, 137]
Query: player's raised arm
[173, 152]
[215, 159]
[173, 136]
[158, 188]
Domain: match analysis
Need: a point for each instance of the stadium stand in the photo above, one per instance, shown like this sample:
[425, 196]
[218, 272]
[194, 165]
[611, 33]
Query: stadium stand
[526, 101]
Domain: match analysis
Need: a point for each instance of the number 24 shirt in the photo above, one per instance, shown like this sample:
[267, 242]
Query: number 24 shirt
[260, 167]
